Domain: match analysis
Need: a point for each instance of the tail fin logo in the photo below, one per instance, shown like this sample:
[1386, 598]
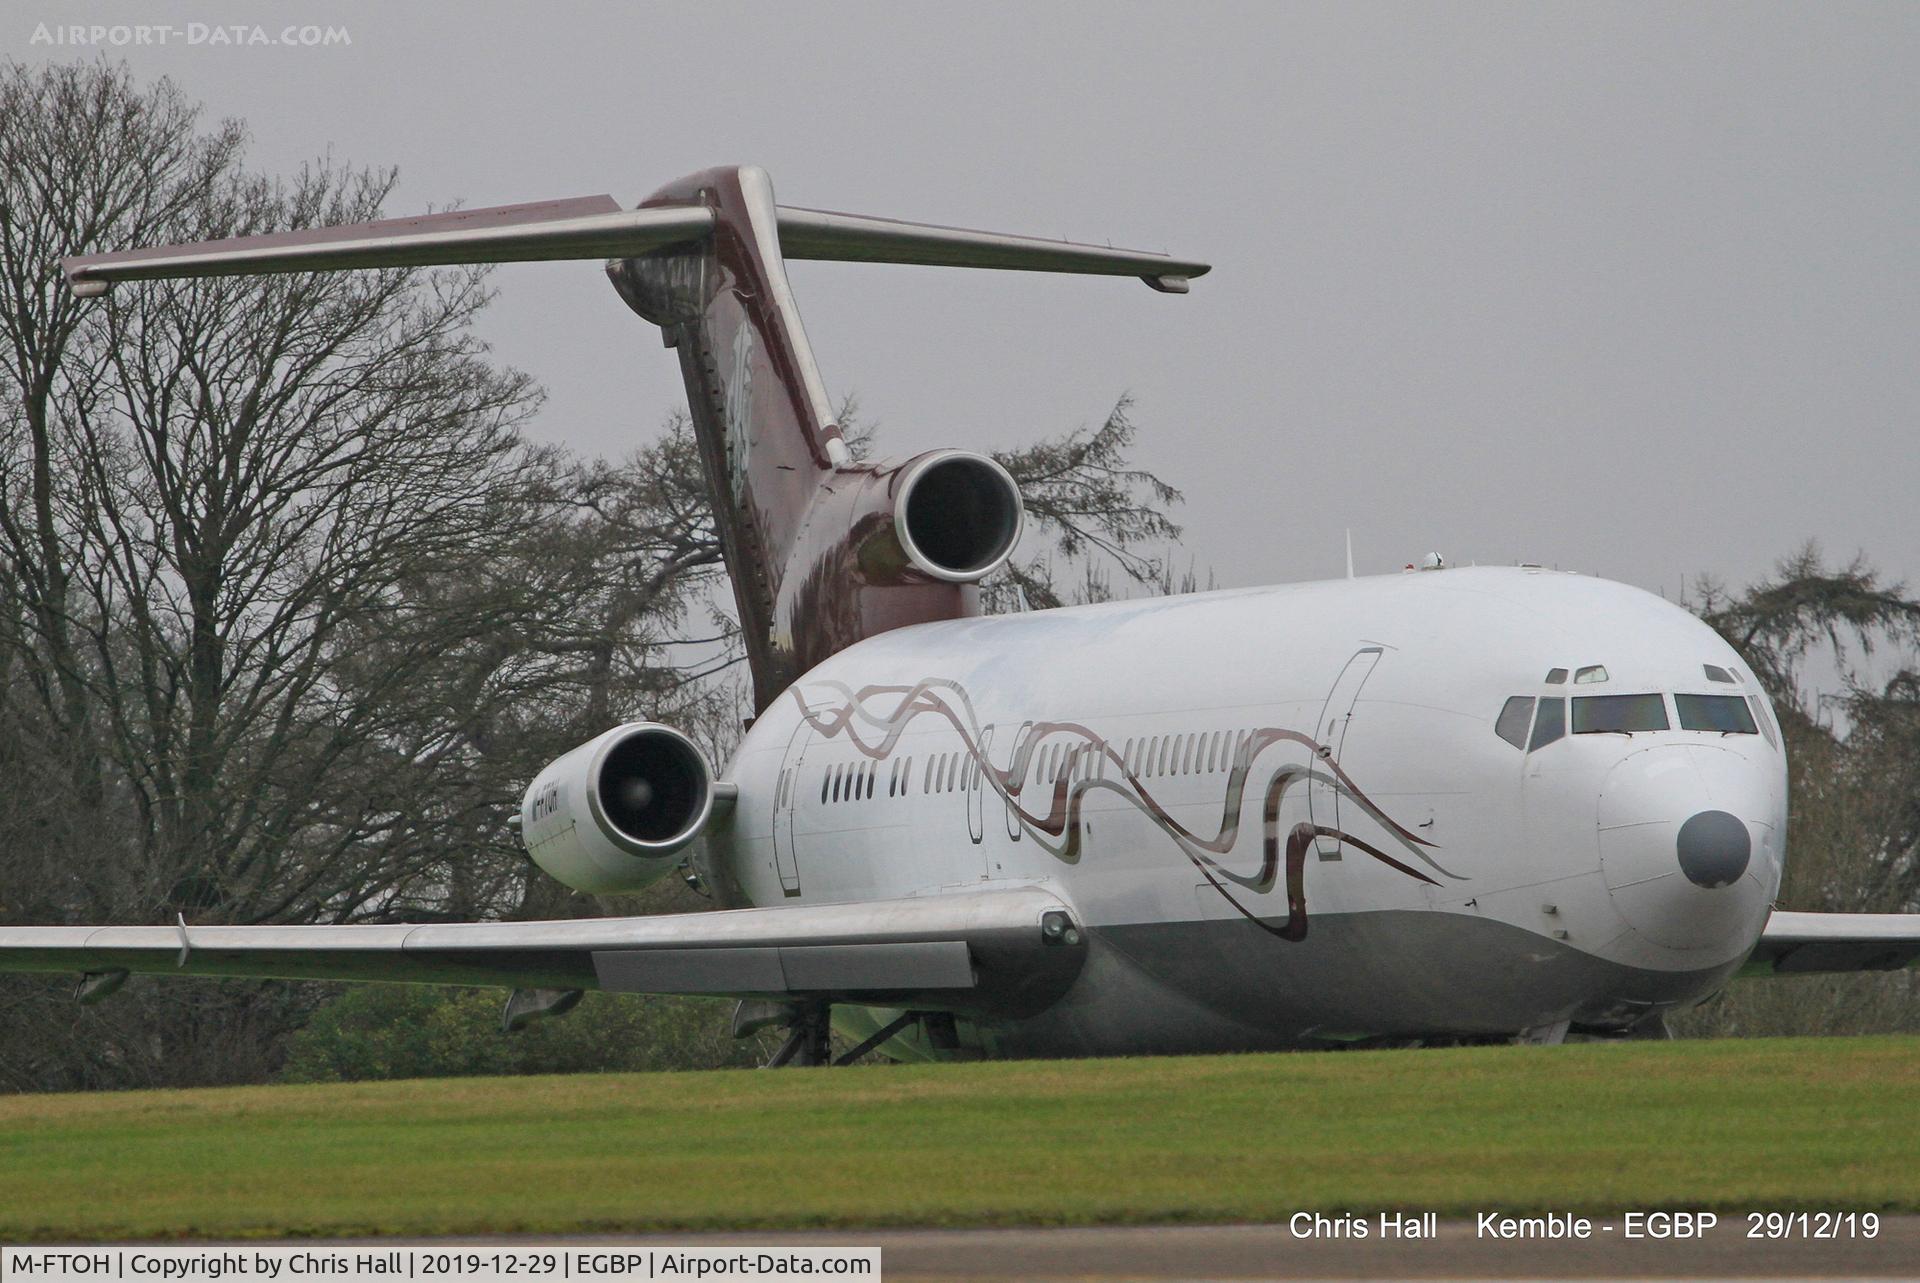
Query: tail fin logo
[740, 411]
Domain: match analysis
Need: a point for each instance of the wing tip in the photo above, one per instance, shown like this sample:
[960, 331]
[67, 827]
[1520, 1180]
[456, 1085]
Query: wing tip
[80, 282]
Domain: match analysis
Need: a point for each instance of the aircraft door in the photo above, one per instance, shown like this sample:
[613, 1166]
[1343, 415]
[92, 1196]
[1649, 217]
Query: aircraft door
[786, 801]
[1323, 797]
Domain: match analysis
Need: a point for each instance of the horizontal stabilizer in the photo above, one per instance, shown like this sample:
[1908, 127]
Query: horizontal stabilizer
[589, 227]
[1803, 943]
[595, 227]
[857, 238]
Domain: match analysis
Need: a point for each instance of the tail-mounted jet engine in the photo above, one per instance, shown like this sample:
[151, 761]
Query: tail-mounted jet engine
[956, 515]
[885, 544]
[611, 816]
[946, 516]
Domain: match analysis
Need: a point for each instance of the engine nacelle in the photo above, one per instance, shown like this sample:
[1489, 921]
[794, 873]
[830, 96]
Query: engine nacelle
[956, 515]
[612, 815]
[884, 544]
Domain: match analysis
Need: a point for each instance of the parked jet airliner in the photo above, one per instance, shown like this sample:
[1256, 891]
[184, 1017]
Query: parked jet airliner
[1488, 803]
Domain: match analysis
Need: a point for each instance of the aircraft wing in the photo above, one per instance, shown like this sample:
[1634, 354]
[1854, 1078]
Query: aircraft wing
[1803, 943]
[1005, 951]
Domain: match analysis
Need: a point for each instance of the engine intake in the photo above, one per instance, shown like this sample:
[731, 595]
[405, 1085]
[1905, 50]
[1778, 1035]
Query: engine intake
[612, 815]
[957, 515]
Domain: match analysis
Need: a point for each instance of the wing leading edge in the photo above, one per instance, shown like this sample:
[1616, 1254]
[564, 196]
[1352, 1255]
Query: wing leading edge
[1805, 943]
[1004, 952]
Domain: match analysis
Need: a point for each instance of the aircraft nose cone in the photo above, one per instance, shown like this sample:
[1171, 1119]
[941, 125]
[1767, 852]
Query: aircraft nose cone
[1686, 848]
[1714, 848]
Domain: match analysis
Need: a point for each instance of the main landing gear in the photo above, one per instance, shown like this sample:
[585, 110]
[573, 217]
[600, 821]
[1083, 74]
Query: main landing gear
[809, 1037]
[809, 1027]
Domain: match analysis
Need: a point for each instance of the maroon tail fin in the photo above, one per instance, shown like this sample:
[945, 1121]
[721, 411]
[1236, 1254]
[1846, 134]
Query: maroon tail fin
[819, 547]
[765, 428]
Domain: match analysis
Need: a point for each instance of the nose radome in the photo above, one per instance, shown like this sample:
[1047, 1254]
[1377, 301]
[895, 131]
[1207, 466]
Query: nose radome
[1714, 848]
[1680, 852]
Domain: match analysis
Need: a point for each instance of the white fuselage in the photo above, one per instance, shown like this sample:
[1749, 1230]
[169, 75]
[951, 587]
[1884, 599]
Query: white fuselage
[1152, 763]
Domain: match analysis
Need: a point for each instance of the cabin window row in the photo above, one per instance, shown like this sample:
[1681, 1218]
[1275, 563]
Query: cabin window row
[1145, 757]
[858, 781]
[1194, 753]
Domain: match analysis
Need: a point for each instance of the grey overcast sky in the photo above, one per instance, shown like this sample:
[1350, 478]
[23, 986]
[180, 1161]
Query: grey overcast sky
[1632, 289]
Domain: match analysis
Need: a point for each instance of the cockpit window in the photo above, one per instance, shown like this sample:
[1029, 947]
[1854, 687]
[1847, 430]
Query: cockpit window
[1727, 714]
[1550, 725]
[1715, 673]
[1591, 673]
[1600, 714]
[1514, 719]
[1556, 677]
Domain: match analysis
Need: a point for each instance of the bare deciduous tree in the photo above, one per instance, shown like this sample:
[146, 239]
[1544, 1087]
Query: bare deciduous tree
[211, 496]
[89, 160]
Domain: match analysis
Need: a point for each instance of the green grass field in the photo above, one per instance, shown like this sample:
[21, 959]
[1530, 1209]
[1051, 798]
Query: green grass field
[1725, 1125]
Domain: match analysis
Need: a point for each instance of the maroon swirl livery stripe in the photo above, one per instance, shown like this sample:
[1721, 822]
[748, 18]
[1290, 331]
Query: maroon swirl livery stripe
[1059, 829]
